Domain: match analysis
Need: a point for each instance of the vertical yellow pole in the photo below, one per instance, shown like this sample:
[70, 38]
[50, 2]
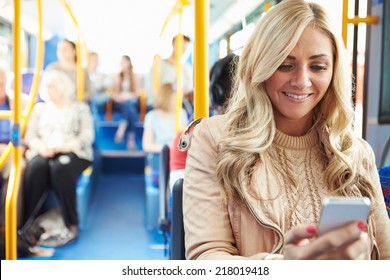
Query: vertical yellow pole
[344, 28]
[201, 79]
[156, 74]
[38, 68]
[80, 71]
[179, 42]
[14, 181]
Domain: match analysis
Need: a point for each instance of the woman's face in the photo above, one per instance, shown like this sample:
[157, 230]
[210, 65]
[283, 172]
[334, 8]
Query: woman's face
[65, 52]
[53, 93]
[301, 81]
[125, 64]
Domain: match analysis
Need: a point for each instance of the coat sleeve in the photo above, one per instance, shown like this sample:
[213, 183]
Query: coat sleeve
[208, 234]
[207, 223]
[381, 218]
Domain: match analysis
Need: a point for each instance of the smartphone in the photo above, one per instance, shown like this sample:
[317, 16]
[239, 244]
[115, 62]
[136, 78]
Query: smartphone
[338, 211]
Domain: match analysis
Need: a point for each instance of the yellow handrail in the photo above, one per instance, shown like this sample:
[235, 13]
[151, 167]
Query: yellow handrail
[179, 42]
[355, 21]
[80, 70]
[38, 68]
[15, 174]
[201, 81]
[34, 87]
[14, 180]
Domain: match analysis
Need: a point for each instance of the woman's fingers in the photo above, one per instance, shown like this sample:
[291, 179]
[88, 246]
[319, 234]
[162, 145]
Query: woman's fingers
[347, 242]
[300, 233]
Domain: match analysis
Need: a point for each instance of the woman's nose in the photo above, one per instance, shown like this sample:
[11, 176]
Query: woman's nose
[301, 79]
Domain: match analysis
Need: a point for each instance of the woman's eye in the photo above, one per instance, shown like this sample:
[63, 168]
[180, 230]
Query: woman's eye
[318, 67]
[285, 67]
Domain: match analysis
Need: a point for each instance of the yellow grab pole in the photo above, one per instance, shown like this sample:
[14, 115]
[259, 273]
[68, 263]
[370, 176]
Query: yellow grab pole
[80, 70]
[367, 20]
[156, 74]
[179, 42]
[142, 105]
[38, 68]
[344, 27]
[34, 87]
[355, 21]
[267, 6]
[201, 79]
[14, 181]
[179, 87]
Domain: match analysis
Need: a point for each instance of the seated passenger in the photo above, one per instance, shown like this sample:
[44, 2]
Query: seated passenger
[255, 176]
[221, 82]
[126, 91]
[159, 123]
[59, 138]
[100, 81]
[67, 63]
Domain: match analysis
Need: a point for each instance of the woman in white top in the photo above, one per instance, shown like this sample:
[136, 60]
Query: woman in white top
[59, 137]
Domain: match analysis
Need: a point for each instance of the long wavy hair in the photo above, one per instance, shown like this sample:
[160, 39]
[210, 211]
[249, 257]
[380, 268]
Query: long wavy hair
[130, 74]
[250, 123]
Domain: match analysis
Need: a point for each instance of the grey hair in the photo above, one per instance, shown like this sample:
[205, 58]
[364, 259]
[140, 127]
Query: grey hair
[62, 82]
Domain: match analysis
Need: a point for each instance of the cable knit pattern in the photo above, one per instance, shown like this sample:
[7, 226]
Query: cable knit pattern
[302, 160]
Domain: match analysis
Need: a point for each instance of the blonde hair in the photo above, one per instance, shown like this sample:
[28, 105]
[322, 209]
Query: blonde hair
[163, 99]
[251, 126]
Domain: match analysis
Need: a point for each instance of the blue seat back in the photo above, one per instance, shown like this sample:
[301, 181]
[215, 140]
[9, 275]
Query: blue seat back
[177, 227]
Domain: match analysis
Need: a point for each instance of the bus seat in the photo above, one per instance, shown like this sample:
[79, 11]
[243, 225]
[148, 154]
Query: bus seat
[163, 182]
[164, 193]
[83, 195]
[27, 76]
[385, 159]
[384, 176]
[151, 190]
[105, 136]
[177, 227]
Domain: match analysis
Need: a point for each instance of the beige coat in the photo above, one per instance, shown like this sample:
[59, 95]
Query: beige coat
[217, 231]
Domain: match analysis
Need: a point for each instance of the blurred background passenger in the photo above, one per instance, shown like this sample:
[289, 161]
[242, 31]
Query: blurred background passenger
[59, 138]
[221, 82]
[167, 74]
[126, 91]
[67, 63]
[100, 81]
[159, 123]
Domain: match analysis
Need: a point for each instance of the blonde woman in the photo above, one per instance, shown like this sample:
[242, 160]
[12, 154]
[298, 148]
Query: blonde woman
[255, 177]
[59, 138]
[159, 123]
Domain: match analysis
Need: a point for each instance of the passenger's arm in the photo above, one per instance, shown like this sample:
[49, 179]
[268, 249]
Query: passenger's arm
[31, 137]
[207, 225]
[381, 218]
[148, 144]
[87, 86]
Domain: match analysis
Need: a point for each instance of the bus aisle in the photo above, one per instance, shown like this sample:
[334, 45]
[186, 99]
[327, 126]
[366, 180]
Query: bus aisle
[115, 225]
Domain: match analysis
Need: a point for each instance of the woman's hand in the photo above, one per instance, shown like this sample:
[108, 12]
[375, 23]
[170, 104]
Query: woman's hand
[69, 147]
[348, 242]
[46, 152]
